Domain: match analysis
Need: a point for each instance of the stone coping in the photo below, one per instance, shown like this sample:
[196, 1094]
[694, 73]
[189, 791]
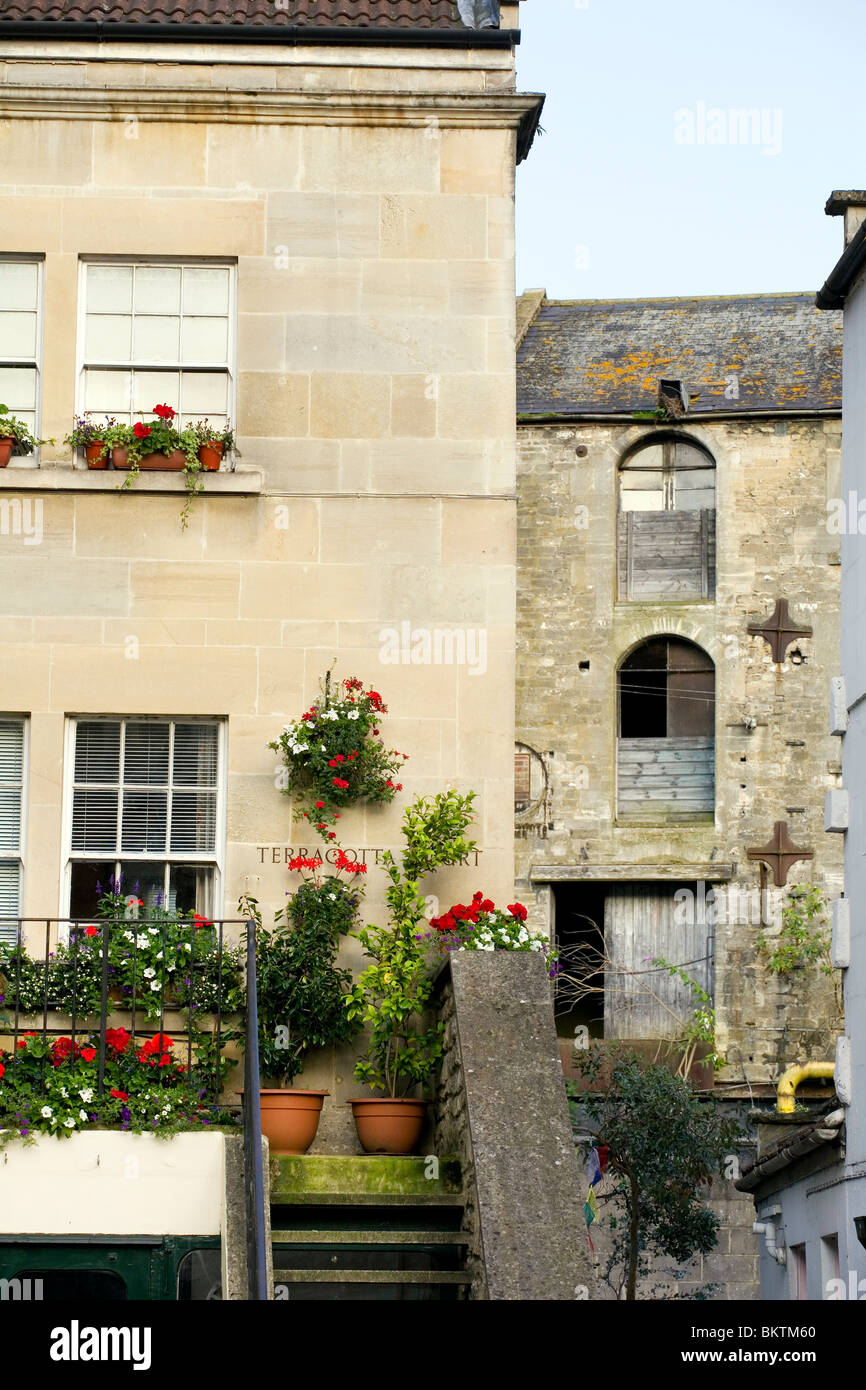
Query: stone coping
[246, 482]
[329, 1177]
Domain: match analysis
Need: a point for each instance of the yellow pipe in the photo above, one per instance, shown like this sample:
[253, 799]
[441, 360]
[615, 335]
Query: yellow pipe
[791, 1079]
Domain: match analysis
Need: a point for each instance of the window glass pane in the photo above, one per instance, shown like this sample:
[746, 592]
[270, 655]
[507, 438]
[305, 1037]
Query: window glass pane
[109, 289]
[694, 489]
[145, 757]
[145, 817]
[205, 393]
[107, 393]
[145, 881]
[155, 388]
[157, 289]
[18, 335]
[94, 820]
[18, 388]
[10, 818]
[191, 889]
[195, 755]
[88, 882]
[18, 285]
[108, 338]
[193, 821]
[642, 481]
[205, 340]
[206, 290]
[156, 339]
[97, 751]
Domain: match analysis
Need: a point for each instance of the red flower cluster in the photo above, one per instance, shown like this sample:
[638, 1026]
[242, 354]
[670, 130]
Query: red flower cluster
[164, 412]
[341, 783]
[120, 1095]
[2, 1069]
[349, 866]
[118, 1039]
[397, 787]
[353, 683]
[140, 430]
[461, 913]
[157, 1048]
[517, 910]
[377, 702]
[301, 862]
[91, 931]
[201, 921]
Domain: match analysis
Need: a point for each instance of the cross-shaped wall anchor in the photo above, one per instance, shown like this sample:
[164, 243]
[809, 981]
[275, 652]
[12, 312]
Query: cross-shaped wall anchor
[780, 854]
[779, 630]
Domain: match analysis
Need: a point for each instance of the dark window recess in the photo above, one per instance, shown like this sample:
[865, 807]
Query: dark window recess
[522, 781]
[666, 537]
[666, 752]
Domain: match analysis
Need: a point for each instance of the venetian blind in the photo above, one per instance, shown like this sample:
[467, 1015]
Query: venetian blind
[11, 790]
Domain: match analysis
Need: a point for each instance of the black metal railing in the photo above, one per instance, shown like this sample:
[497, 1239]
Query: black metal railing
[64, 980]
[254, 1177]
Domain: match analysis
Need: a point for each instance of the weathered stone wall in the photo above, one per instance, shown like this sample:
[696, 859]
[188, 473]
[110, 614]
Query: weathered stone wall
[774, 479]
[501, 1105]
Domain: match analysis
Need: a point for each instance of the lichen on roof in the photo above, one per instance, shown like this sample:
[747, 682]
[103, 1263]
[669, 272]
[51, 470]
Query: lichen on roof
[740, 352]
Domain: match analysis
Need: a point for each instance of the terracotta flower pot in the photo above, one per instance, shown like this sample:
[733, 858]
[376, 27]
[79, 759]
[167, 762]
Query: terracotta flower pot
[7, 444]
[94, 456]
[290, 1119]
[388, 1126]
[210, 456]
[174, 462]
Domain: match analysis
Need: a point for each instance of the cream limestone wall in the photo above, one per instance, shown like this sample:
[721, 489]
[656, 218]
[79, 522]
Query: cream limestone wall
[373, 234]
[109, 1183]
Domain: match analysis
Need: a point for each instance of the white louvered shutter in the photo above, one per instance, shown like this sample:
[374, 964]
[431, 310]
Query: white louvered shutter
[11, 791]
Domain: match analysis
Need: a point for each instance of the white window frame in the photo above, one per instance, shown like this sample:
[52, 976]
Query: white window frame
[7, 854]
[214, 860]
[191, 368]
[36, 259]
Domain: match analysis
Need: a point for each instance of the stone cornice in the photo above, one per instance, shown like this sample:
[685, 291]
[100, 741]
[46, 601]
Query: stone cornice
[448, 111]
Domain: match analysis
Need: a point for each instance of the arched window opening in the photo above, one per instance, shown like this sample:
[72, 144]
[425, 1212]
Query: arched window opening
[666, 745]
[666, 541]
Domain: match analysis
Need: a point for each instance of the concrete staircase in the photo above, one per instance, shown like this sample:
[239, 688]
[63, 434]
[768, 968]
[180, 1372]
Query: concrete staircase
[367, 1228]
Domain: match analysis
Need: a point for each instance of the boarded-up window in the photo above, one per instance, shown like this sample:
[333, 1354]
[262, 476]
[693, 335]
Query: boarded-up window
[666, 745]
[642, 923]
[666, 542]
[522, 776]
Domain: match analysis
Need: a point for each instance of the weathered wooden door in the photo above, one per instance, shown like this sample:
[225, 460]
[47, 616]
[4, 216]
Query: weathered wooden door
[642, 923]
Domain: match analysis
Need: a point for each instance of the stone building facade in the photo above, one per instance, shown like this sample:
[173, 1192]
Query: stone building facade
[678, 462]
[334, 197]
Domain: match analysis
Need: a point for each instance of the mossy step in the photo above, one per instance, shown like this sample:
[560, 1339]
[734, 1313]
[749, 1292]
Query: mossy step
[306, 1178]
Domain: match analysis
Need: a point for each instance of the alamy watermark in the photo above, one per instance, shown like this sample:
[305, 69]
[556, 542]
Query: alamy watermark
[424, 646]
[730, 906]
[760, 127]
[22, 516]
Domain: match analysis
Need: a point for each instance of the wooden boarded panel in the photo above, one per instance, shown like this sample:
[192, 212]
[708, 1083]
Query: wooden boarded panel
[667, 555]
[644, 923]
[661, 775]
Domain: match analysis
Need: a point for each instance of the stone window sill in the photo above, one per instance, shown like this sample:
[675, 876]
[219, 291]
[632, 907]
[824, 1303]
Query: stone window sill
[244, 482]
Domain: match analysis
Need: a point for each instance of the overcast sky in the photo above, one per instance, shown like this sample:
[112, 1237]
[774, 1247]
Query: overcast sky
[649, 182]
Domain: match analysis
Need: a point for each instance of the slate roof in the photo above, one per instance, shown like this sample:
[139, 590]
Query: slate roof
[378, 14]
[604, 357]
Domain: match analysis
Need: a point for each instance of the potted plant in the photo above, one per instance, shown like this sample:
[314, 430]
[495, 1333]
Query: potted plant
[157, 445]
[302, 994]
[392, 995]
[333, 755]
[213, 442]
[95, 440]
[15, 437]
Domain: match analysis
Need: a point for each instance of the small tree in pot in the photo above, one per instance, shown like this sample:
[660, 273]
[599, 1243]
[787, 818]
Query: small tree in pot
[391, 996]
[302, 993]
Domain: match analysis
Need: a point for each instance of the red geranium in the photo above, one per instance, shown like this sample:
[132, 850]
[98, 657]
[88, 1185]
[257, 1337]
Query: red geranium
[61, 1050]
[140, 431]
[2, 1069]
[120, 1095]
[201, 921]
[91, 931]
[118, 1039]
[164, 412]
[517, 910]
[87, 1053]
[339, 782]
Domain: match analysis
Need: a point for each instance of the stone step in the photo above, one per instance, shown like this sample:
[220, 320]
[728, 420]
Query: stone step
[369, 1276]
[396, 1239]
[371, 1179]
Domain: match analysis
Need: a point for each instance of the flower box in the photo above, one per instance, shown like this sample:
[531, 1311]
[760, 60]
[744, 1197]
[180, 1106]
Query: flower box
[175, 462]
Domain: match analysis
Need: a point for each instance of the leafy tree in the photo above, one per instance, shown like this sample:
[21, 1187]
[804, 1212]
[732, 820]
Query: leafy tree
[663, 1144]
[392, 994]
[804, 939]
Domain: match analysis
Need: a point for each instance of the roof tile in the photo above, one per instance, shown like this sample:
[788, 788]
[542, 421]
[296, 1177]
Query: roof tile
[379, 14]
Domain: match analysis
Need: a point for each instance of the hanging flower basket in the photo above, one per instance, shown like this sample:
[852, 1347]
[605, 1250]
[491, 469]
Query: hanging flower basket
[334, 755]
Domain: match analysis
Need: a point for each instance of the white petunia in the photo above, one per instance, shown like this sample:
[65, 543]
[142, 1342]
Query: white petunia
[353, 714]
[64, 1092]
[149, 973]
[46, 1112]
[155, 985]
[70, 1123]
[142, 940]
[82, 1114]
[310, 724]
[86, 1095]
[333, 897]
